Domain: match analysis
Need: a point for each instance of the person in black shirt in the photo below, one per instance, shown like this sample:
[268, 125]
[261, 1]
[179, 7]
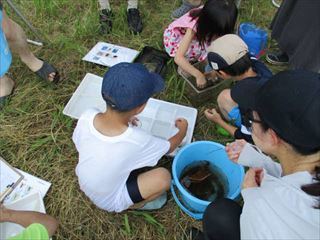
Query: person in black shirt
[230, 58]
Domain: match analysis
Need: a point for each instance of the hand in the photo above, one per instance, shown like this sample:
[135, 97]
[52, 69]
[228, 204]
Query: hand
[4, 213]
[253, 178]
[213, 115]
[134, 121]
[201, 81]
[211, 75]
[182, 125]
[234, 149]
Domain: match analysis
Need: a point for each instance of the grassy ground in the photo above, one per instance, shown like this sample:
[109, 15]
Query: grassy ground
[36, 137]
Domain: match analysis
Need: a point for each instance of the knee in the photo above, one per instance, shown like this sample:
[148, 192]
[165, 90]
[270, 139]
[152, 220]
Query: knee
[163, 177]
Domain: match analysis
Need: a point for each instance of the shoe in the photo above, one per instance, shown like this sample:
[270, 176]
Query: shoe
[105, 20]
[182, 10]
[194, 234]
[277, 58]
[134, 20]
[155, 204]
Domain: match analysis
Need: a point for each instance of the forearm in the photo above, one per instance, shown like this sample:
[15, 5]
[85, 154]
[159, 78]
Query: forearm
[185, 65]
[26, 218]
[176, 140]
[250, 157]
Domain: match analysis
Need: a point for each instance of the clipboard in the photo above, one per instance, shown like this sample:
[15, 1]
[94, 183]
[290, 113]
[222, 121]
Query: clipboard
[9, 179]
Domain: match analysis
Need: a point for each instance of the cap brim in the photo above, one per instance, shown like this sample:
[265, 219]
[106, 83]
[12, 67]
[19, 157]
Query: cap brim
[245, 94]
[158, 82]
[216, 61]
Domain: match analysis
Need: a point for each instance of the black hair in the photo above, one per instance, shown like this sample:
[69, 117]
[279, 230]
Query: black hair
[215, 19]
[302, 150]
[312, 189]
[239, 67]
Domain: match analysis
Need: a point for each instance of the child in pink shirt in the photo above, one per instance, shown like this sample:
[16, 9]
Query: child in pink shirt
[187, 38]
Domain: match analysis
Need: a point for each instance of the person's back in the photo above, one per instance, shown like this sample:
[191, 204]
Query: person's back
[113, 152]
[281, 208]
[106, 162]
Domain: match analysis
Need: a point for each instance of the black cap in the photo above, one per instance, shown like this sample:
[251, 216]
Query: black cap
[290, 104]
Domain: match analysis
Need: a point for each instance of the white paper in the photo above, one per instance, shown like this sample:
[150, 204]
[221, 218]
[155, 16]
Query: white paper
[8, 177]
[29, 185]
[108, 54]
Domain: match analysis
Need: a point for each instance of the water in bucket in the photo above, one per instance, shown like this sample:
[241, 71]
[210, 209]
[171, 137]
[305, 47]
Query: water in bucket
[204, 181]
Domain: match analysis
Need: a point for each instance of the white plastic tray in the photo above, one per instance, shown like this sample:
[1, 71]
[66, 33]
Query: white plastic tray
[158, 117]
[32, 202]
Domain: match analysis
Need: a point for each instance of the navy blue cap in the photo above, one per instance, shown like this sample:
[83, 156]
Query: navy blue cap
[289, 103]
[126, 86]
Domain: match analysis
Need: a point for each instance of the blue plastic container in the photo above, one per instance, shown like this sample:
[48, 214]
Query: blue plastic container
[256, 38]
[216, 155]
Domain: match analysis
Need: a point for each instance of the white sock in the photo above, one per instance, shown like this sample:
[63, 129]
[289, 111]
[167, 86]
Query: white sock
[104, 4]
[132, 4]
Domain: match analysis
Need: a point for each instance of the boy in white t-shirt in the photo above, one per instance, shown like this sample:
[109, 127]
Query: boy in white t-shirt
[111, 150]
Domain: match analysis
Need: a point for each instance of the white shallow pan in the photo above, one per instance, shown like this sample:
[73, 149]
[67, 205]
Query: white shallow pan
[157, 118]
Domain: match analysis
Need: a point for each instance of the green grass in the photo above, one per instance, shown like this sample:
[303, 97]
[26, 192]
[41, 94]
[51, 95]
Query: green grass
[36, 137]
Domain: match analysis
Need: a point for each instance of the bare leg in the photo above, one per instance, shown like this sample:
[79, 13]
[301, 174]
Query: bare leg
[18, 43]
[225, 103]
[6, 86]
[153, 184]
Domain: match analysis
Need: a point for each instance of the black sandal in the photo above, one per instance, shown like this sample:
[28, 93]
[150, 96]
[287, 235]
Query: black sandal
[46, 70]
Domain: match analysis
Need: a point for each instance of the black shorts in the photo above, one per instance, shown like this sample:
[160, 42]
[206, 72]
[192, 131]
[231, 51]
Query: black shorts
[132, 186]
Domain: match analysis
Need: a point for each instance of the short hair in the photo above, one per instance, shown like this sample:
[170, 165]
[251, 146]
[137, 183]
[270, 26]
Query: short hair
[239, 67]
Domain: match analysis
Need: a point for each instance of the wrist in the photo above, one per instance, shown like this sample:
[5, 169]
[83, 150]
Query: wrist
[199, 74]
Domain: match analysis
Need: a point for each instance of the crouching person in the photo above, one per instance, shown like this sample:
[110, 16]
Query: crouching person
[112, 151]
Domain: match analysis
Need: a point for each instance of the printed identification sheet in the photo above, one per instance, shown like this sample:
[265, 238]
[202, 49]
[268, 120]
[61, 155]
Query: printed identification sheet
[108, 54]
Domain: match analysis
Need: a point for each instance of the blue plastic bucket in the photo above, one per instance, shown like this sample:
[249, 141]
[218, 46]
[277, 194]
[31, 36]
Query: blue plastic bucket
[256, 38]
[216, 155]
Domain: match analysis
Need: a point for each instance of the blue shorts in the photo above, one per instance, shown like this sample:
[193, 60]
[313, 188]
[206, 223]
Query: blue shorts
[5, 54]
[235, 116]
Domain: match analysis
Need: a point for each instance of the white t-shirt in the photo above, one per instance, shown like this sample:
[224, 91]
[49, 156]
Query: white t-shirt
[106, 162]
[278, 209]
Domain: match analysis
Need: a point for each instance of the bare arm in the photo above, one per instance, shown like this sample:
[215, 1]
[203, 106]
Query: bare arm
[180, 59]
[26, 218]
[214, 116]
[176, 140]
